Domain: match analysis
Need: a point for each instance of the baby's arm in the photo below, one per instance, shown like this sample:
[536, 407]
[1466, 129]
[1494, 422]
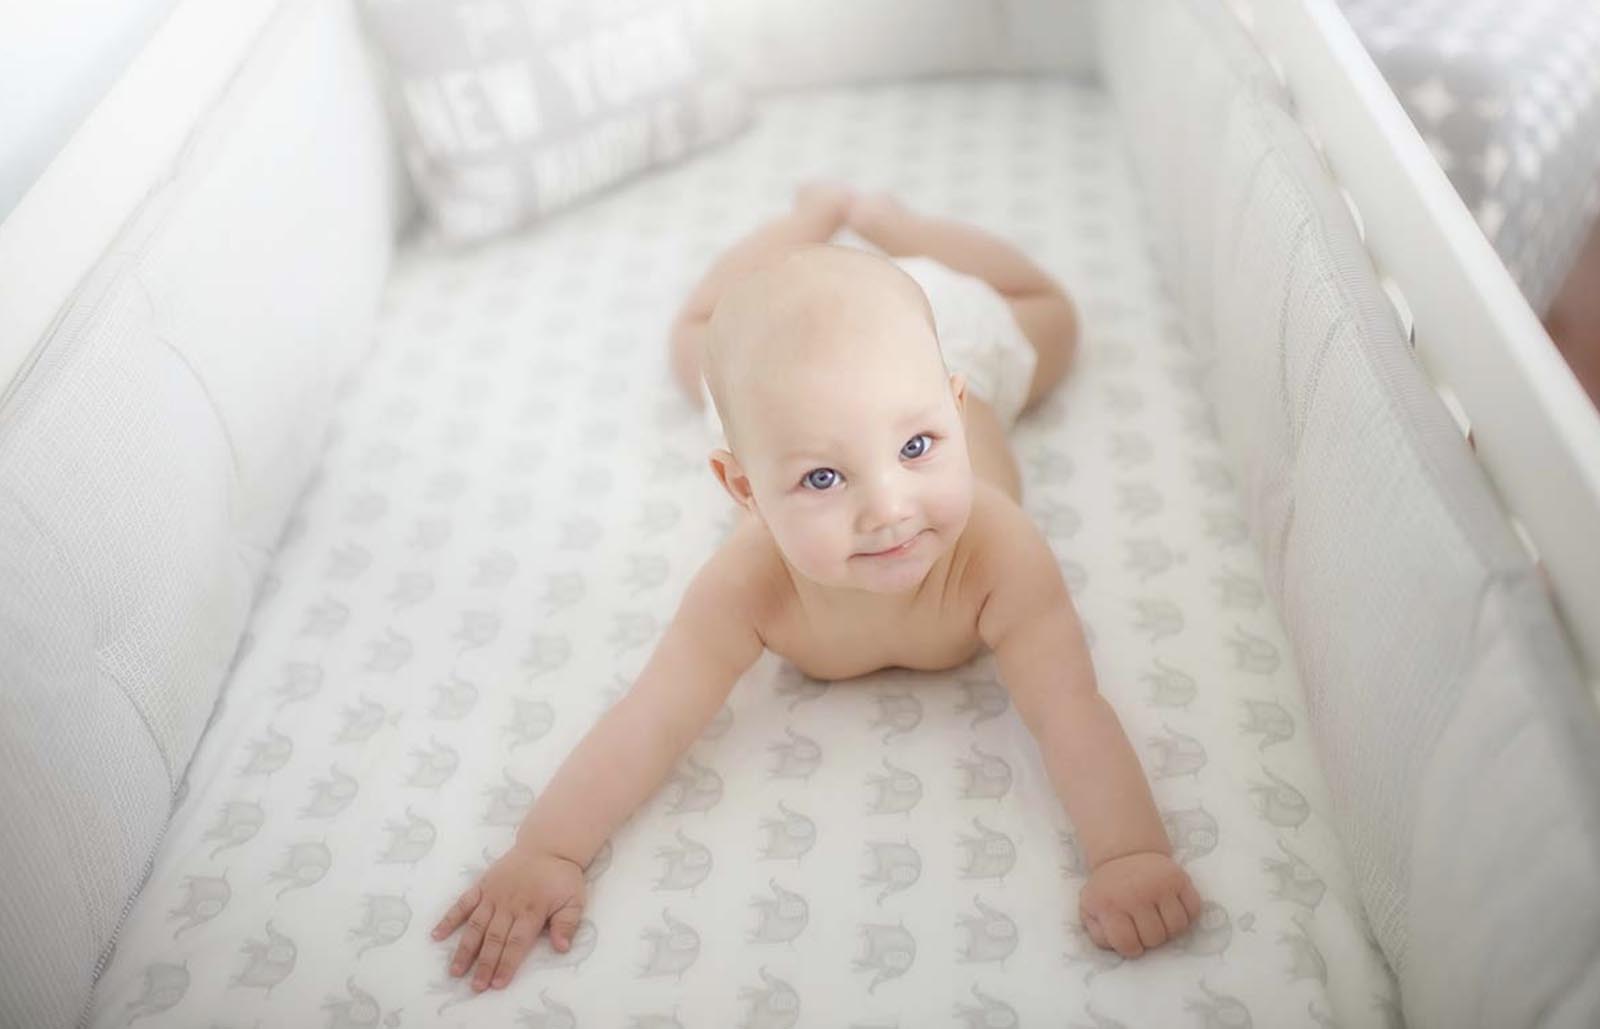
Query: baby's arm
[619, 764]
[710, 642]
[1136, 897]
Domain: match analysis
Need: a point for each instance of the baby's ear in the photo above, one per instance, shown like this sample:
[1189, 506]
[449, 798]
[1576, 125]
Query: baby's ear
[958, 389]
[726, 468]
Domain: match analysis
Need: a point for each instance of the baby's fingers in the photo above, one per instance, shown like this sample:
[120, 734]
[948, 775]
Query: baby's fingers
[494, 943]
[1121, 934]
[1174, 915]
[472, 938]
[1191, 901]
[523, 932]
[1147, 920]
[458, 913]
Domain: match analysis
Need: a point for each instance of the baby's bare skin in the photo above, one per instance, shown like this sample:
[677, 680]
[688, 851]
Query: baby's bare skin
[880, 526]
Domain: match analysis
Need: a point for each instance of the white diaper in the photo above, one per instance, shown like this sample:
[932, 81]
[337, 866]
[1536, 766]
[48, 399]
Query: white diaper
[978, 335]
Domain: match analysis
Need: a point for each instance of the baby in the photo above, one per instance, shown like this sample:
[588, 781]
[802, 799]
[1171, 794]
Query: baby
[879, 527]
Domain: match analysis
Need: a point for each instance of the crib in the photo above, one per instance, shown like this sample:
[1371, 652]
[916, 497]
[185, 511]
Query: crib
[322, 543]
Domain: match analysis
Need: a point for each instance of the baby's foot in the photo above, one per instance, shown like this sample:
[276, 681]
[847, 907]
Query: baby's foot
[826, 197]
[875, 214]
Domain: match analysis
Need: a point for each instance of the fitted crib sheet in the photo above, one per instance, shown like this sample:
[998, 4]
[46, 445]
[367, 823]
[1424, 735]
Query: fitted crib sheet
[511, 500]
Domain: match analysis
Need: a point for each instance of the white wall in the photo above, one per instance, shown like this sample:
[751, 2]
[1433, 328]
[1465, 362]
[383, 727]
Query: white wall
[57, 59]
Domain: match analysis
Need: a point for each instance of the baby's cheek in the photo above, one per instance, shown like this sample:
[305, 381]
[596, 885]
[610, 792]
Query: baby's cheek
[809, 547]
[951, 506]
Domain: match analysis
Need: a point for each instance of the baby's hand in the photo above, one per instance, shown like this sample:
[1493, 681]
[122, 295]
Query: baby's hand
[1137, 901]
[508, 909]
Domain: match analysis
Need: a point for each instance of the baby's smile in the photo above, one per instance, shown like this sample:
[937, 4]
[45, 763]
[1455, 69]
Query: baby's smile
[903, 549]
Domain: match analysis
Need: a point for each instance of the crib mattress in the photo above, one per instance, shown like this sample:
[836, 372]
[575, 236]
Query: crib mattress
[510, 504]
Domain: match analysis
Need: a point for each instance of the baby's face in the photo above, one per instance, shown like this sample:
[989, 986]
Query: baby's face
[858, 460]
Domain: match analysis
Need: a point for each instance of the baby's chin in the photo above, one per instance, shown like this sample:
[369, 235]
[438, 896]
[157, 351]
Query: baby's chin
[897, 573]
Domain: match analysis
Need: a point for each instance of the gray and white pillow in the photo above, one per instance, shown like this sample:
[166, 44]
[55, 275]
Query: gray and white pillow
[508, 110]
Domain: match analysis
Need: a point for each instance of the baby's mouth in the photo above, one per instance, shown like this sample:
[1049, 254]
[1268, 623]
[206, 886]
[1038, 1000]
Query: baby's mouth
[896, 550]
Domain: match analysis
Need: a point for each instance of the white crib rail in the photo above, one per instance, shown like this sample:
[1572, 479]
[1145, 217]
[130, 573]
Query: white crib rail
[1533, 428]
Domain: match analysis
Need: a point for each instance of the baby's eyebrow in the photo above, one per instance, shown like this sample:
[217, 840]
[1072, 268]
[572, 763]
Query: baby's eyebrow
[810, 455]
[813, 453]
[921, 416]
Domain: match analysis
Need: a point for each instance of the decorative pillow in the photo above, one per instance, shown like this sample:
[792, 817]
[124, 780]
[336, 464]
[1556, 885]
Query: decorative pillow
[510, 109]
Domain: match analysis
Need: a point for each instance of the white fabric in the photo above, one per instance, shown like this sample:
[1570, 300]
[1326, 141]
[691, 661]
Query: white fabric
[120, 155]
[785, 44]
[511, 504]
[148, 460]
[1462, 751]
[978, 335]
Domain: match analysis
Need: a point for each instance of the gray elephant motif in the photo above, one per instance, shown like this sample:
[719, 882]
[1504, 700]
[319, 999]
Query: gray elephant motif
[410, 589]
[989, 855]
[434, 766]
[271, 961]
[1294, 880]
[385, 919]
[495, 569]
[798, 757]
[389, 654]
[900, 713]
[409, 841]
[238, 824]
[546, 653]
[164, 986]
[364, 720]
[301, 681]
[673, 950]
[478, 629]
[783, 916]
[898, 792]
[304, 865]
[531, 721]
[895, 867]
[991, 934]
[686, 866]
[562, 590]
[776, 1006]
[888, 952]
[269, 754]
[454, 699]
[1219, 1011]
[205, 899]
[791, 836]
[988, 1013]
[693, 787]
[988, 777]
[1279, 803]
[509, 802]
[1169, 686]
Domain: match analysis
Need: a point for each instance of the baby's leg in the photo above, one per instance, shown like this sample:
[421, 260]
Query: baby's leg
[819, 211]
[1040, 306]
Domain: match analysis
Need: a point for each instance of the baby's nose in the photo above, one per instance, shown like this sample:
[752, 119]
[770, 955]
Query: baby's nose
[885, 505]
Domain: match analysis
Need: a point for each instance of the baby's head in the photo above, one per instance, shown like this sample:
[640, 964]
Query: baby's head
[846, 431]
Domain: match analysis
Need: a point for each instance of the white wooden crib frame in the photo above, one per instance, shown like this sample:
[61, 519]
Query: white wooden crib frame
[1533, 428]
[1535, 432]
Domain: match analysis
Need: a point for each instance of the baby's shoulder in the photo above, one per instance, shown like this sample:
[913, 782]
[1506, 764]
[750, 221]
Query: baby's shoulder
[998, 527]
[1010, 564]
[746, 571]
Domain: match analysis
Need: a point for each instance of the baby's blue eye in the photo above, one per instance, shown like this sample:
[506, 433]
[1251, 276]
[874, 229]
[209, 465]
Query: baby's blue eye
[820, 478]
[916, 446]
